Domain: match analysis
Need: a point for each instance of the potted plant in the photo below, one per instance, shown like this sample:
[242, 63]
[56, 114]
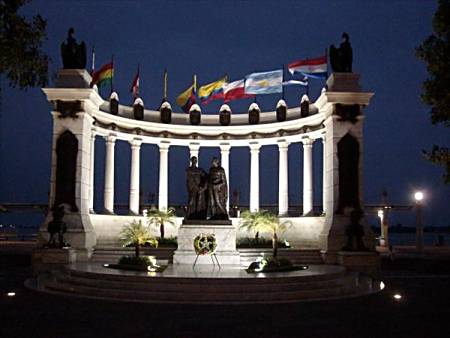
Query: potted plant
[159, 218]
[136, 234]
[264, 221]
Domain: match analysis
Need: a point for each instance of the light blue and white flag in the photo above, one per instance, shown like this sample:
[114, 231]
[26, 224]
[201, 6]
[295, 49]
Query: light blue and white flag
[264, 83]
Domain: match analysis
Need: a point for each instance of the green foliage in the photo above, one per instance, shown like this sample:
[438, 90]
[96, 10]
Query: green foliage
[435, 52]
[249, 242]
[159, 218]
[136, 234]
[21, 57]
[171, 241]
[142, 261]
[264, 221]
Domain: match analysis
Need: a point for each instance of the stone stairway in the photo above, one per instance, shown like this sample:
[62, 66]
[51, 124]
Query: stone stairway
[94, 281]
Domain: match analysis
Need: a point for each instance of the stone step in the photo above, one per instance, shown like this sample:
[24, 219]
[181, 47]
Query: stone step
[202, 296]
[210, 287]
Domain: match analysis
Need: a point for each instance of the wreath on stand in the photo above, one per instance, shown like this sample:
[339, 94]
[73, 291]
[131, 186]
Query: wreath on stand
[205, 244]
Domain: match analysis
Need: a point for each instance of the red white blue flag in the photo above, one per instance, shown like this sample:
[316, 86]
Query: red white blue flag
[314, 68]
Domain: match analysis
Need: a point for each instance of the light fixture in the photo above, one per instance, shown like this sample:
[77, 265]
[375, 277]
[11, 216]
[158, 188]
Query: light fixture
[397, 296]
[418, 196]
[11, 294]
[380, 213]
[382, 286]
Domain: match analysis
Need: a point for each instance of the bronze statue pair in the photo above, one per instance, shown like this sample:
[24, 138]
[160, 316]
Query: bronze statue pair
[207, 193]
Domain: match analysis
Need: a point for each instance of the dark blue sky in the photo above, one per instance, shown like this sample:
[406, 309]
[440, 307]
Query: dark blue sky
[211, 38]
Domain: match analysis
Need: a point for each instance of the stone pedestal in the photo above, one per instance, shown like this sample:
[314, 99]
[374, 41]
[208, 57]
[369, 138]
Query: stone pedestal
[225, 234]
[362, 261]
[43, 260]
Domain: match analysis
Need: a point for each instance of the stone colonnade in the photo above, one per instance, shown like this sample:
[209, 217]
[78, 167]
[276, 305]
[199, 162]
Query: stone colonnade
[194, 148]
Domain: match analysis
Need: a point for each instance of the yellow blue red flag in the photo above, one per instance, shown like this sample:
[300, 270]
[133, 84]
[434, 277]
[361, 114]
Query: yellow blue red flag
[187, 98]
[212, 91]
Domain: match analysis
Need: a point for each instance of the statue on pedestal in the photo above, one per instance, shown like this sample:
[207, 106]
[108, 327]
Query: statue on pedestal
[73, 54]
[341, 58]
[197, 183]
[57, 227]
[217, 191]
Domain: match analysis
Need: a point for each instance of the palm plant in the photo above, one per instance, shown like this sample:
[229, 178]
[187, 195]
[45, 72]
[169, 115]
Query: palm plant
[160, 218]
[136, 234]
[264, 221]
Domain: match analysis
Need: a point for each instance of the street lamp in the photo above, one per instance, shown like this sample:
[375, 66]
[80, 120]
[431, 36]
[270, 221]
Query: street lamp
[383, 233]
[418, 196]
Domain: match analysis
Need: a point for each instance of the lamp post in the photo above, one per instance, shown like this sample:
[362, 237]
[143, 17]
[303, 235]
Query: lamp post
[418, 197]
[383, 230]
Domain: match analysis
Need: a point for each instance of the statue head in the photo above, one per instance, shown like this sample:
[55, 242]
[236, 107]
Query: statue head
[345, 37]
[194, 161]
[215, 162]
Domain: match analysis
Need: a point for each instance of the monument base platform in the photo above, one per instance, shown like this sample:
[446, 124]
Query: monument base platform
[47, 259]
[225, 235]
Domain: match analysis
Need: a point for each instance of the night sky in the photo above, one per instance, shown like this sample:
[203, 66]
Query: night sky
[213, 38]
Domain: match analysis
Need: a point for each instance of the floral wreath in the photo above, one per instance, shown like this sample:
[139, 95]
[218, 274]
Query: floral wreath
[205, 244]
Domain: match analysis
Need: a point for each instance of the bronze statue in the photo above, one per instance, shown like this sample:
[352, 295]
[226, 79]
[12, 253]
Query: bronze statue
[217, 192]
[73, 54]
[355, 232]
[196, 180]
[57, 227]
[341, 58]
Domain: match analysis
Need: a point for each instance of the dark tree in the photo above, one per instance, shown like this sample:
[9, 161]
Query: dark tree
[435, 51]
[21, 58]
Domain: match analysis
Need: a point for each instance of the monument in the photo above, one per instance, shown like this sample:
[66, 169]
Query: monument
[206, 215]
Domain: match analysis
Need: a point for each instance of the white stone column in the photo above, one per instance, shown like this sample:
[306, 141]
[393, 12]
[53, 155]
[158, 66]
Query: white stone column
[163, 176]
[307, 176]
[324, 174]
[254, 176]
[283, 198]
[91, 173]
[194, 148]
[109, 174]
[134, 176]
[225, 163]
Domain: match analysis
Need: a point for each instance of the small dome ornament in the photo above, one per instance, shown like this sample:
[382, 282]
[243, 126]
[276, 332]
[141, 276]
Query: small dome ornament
[281, 110]
[166, 105]
[138, 101]
[195, 107]
[195, 114]
[253, 113]
[113, 96]
[225, 115]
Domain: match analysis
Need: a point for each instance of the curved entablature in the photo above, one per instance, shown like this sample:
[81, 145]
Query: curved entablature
[292, 130]
[206, 118]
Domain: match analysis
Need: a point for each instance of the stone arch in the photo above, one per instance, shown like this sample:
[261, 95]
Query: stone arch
[66, 169]
[348, 158]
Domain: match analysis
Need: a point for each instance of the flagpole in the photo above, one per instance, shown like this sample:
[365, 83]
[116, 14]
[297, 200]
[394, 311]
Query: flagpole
[93, 60]
[195, 84]
[326, 59]
[307, 84]
[112, 73]
[165, 84]
[282, 80]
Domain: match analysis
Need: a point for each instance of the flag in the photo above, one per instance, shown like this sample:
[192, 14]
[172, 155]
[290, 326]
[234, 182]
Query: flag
[104, 75]
[264, 83]
[187, 98]
[135, 85]
[235, 90]
[296, 82]
[212, 91]
[315, 68]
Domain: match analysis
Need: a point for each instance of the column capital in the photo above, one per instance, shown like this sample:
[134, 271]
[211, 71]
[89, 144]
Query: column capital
[282, 145]
[135, 143]
[225, 147]
[307, 142]
[194, 146]
[110, 139]
[164, 146]
[254, 147]
[93, 133]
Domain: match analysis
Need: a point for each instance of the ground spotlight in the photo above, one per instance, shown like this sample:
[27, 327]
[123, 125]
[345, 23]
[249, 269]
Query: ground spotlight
[11, 294]
[397, 296]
